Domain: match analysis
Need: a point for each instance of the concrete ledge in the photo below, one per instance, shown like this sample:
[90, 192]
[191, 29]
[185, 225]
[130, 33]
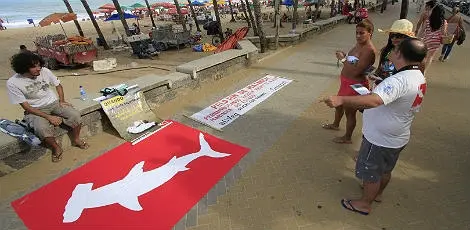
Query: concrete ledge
[193, 67]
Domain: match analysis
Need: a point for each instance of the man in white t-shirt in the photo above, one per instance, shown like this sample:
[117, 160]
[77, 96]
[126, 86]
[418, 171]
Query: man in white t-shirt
[387, 121]
[31, 87]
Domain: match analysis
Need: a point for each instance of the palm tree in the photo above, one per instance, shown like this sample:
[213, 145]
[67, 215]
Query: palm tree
[296, 15]
[69, 8]
[95, 24]
[217, 17]
[194, 15]
[150, 13]
[121, 16]
[252, 19]
[231, 10]
[259, 22]
[277, 20]
[404, 9]
[180, 16]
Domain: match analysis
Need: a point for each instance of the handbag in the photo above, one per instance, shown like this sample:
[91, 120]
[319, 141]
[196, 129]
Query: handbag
[461, 38]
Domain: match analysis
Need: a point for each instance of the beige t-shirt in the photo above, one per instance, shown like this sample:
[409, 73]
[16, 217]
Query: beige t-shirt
[37, 92]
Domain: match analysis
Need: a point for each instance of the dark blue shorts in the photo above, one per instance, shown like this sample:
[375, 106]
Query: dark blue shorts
[373, 161]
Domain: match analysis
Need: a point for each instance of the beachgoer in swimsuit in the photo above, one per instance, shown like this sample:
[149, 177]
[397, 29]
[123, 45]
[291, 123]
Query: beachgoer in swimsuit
[357, 63]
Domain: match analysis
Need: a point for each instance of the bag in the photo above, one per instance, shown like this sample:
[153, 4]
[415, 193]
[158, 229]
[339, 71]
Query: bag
[120, 90]
[19, 131]
[461, 38]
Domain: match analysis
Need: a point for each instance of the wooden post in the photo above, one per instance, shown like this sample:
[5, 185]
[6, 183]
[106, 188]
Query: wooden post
[69, 8]
[95, 24]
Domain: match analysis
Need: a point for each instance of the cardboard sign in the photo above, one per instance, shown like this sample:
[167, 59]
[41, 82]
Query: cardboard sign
[130, 115]
[151, 185]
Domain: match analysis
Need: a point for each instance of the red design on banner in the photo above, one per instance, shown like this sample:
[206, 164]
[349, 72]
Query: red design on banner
[419, 97]
[150, 185]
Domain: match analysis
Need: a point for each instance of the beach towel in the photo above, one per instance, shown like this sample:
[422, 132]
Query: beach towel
[19, 131]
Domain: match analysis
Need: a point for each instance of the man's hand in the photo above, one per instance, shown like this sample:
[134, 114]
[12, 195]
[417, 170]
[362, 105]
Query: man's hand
[55, 120]
[333, 101]
[65, 104]
[340, 55]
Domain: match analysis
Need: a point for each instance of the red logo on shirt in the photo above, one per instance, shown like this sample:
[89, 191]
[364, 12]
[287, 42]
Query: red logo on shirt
[419, 96]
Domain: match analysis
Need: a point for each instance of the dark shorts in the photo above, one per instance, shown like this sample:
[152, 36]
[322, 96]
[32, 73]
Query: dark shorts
[373, 161]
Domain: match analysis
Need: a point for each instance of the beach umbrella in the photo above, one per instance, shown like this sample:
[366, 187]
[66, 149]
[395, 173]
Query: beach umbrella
[116, 17]
[126, 8]
[137, 5]
[58, 18]
[196, 3]
[310, 2]
[287, 2]
[107, 6]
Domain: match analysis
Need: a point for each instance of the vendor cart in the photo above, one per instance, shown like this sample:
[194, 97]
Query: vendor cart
[58, 50]
[165, 36]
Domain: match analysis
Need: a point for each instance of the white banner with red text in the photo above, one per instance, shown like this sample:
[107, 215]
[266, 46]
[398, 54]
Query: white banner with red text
[226, 110]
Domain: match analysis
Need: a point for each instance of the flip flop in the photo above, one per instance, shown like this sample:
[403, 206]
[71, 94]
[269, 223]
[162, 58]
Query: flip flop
[340, 140]
[351, 207]
[82, 145]
[330, 127]
[57, 157]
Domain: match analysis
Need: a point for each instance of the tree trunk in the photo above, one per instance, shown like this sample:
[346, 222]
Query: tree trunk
[259, 25]
[180, 16]
[277, 4]
[150, 13]
[217, 18]
[79, 28]
[194, 15]
[95, 24]
[295, 15]
[252, 19]
[231, 10]
[121, 16]
[404, 9]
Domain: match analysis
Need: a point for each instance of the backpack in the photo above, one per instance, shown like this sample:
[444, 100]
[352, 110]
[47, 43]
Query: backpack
[19, 131]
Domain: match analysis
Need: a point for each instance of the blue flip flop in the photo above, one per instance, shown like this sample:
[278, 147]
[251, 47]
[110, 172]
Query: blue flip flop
[352, 208]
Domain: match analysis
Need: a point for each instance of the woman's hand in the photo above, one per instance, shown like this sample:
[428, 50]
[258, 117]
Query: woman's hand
[340, 55]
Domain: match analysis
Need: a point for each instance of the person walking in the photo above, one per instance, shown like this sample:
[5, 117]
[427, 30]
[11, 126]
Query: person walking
[357, 64]
[389, 112]
[435, 28]
[454, 27]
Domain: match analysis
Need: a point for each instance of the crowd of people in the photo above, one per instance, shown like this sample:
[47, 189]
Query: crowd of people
[397, 89]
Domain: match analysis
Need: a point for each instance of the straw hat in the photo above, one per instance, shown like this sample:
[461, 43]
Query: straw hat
[401, 26]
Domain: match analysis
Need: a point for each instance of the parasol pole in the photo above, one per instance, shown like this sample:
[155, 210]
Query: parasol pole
[63, 29]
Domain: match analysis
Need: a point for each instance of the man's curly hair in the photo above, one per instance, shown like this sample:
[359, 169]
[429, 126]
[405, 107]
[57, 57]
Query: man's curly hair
[22, 62]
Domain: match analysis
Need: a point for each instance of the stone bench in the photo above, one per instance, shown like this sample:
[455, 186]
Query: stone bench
[193, 68]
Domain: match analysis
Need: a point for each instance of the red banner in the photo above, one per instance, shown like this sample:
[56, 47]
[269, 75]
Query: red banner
[150, 185]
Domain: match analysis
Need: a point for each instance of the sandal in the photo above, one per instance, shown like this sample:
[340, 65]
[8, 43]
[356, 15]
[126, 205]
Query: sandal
[57, 157]
[82, 145]
[330, 127]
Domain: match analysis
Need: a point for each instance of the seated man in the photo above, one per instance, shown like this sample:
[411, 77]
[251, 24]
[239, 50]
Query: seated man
[30, 87]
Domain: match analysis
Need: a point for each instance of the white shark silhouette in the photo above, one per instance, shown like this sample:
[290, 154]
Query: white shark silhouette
[137, 182]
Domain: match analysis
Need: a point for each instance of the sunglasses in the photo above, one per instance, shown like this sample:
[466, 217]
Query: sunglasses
[397, 35]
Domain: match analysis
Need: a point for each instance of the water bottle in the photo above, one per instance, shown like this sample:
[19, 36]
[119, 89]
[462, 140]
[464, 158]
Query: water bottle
[83, 95]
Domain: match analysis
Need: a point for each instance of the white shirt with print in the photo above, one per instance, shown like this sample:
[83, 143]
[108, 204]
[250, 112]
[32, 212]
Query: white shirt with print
[37, 92]
[389, 124]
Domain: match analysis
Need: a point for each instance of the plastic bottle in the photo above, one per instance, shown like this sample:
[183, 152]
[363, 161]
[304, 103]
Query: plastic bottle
[83, 95]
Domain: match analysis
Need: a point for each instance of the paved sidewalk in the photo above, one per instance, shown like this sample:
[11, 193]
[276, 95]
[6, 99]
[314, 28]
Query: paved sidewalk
[295, 177]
